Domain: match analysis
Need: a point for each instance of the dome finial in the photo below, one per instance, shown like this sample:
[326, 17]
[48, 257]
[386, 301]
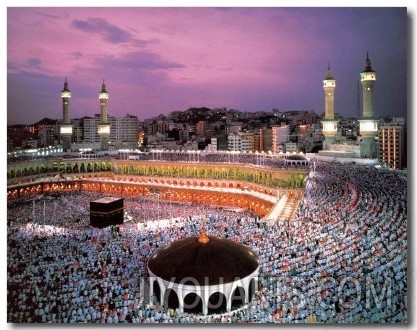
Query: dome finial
[329, 72]
[103, 87]
[66, 89]
[368, 62]
[203, 237]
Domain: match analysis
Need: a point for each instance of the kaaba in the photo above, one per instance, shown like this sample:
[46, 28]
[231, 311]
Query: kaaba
[106, 211]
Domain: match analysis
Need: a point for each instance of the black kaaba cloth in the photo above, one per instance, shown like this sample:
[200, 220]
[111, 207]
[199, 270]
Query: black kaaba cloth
[106, 211]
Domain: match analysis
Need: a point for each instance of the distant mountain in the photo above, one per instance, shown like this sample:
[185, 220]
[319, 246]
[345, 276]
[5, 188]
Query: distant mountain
[198, 110]
[45, 121]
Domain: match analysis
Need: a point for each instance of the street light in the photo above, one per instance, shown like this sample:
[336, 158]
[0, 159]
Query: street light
[169, 193]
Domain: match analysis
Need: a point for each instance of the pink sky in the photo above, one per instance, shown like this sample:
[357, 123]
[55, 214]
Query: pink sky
[158, 60]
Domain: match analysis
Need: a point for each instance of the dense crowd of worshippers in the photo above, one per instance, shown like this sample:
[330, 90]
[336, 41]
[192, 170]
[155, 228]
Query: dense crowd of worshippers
[343, 259]
[260, 159]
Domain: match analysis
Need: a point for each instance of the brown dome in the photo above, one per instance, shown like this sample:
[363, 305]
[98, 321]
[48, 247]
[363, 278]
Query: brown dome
[219, 260]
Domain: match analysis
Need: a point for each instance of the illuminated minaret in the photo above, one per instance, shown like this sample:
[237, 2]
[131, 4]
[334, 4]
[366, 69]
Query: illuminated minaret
[368, 125]
[329, 123]
[104, 126]
[66, 127]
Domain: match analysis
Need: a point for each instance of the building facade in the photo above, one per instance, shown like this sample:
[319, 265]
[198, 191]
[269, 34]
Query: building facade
[392, 144]
[124, 132]
[279, 136]
[247, 141]
[265, 139]
[234, 142]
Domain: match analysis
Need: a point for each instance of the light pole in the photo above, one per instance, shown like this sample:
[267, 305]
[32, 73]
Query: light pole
[159, 215]
[170, 202]
[33, 211]
[44, 215]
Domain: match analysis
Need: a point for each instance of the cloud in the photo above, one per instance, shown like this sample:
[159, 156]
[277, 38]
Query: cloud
[141, 67]
[77, 55]
[110, 33]
[33, 62]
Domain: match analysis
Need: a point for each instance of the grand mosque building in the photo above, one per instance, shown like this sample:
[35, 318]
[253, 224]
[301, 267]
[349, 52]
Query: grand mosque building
[271, 241]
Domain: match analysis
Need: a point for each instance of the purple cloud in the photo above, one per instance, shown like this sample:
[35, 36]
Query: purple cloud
[242, 58]
[110, 32]
[33, 62]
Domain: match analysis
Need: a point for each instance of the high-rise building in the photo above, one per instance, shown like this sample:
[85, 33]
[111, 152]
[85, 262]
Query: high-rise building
[78, 130]
[158, 126]
[47, 136]
[279, 136]
[90, 131]
[329, 122]
[66, 127]
[247, 141]
[368, 124]
[125, 131]
[265, 139]
[201, 127]
[234, 142]
[392, 143]
[257, 140]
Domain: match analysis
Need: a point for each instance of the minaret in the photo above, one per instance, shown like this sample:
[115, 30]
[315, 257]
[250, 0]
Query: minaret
[66, 127]
[104, 126]
[368, 125]
[329, 123]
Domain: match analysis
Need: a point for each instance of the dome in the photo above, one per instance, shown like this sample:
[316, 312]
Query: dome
[217, 260]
